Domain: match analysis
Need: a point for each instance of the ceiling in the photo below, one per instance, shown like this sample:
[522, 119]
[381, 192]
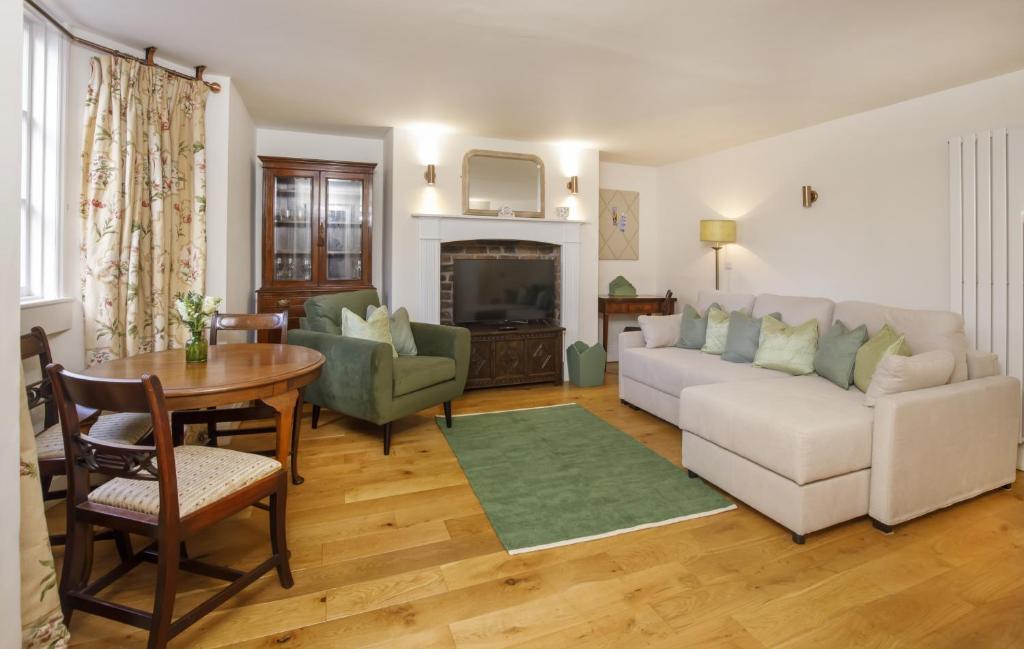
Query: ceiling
[645, 81]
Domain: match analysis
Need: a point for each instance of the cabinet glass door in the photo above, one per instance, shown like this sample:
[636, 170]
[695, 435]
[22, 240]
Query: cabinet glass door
[343, 237]
[293, 228]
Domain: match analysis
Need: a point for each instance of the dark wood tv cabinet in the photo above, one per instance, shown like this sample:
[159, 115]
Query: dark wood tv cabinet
[527, 353]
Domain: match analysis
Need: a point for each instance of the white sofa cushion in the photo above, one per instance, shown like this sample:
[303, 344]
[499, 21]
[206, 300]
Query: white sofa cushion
[925, 331]
[728, 301]
[897, 374]
[804, 428]
[660, 330]
[670, 369]
[796, 310]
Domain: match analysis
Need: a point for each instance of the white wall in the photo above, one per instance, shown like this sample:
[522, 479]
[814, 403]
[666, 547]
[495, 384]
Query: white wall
[413, 148]
[11, 392]
[642, 272]
[319, 146]
[879, 230]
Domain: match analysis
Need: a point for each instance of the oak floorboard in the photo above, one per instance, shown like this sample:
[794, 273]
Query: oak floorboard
[396, 552]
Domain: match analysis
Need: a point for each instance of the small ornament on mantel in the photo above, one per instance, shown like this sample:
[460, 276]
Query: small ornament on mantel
[506, 211]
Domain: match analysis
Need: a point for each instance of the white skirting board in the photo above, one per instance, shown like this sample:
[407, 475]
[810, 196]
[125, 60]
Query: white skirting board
[986, 243]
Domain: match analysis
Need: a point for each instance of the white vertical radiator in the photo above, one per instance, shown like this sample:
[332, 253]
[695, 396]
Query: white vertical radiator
[986, 243]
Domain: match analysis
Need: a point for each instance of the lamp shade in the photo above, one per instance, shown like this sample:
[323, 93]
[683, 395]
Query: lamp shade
[718, 231]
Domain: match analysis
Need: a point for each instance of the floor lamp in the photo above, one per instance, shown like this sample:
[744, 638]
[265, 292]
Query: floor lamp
[717, 232]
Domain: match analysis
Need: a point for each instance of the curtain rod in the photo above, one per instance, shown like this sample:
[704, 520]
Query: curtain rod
[150, 51]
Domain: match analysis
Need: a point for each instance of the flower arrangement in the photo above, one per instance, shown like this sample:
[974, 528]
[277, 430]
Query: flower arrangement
[194, 310]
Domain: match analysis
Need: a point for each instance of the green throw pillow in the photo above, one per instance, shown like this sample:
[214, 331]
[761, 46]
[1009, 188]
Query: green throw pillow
[717, 331]
[787, 349]
[377, 327]
[693, 327]
[743, 337]
[401, 330]
[837, 351]
[884, 343]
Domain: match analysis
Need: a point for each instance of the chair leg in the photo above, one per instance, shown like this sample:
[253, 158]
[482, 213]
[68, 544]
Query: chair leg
[77, 564]
[169, 551]
[211, 432]
[296, 478]
[448, 414]
[177, 432]
[387, 438]
[124, 545]
[278, 534]
[316, 416]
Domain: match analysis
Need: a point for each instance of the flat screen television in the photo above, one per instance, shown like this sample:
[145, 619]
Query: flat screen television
[489, 291]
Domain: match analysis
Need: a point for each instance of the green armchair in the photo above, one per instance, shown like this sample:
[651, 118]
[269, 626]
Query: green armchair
[363, 380]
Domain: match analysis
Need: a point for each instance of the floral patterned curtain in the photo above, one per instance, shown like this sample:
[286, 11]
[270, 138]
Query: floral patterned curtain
[143, 206]
[42, 623]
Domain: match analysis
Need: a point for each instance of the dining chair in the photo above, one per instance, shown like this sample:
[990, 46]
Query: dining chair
[277, 326]
[125, 428]
[161, 492]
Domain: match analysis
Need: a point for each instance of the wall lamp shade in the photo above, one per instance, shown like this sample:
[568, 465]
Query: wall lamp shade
[573, 185]
[809, 195]
[717, 232]
[430, 175]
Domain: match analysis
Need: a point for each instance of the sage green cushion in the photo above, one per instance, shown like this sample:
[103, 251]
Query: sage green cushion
[412, 373]
[744, 335]
[837, 351]
[883, 344]
[323, 312]
[401, 331]
[376, 328]
[787, 349]
[717, 331]
[694, 327]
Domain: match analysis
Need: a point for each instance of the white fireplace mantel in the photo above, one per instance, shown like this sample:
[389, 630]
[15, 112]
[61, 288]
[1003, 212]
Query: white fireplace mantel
[435, 229]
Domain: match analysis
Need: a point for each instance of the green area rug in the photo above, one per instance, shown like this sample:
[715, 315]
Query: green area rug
[559, 475]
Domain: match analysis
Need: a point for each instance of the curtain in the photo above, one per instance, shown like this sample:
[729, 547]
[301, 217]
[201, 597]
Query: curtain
[42, 623]
[143, 206]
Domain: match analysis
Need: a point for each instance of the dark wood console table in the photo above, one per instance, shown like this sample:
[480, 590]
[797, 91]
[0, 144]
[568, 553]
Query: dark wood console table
[527, 353]
[608, 305]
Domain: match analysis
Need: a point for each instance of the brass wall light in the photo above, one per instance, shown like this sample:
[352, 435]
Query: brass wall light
[430, 175]
[573, 185]
[809, 195]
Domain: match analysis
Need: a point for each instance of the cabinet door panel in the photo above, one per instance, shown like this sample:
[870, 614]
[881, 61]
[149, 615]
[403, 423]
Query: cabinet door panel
[509, 359]
[345, 230]
[542, 356]
[289, 251]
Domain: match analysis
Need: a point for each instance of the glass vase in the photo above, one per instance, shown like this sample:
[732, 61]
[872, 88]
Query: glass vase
[196, 348]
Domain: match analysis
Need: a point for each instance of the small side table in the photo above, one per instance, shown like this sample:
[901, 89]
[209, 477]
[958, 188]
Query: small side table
[608, 305]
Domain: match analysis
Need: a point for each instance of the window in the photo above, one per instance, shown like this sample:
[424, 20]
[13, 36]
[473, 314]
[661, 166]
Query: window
[44, 56]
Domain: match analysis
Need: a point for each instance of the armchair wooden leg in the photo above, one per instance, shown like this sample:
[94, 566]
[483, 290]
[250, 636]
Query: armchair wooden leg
[169, 558]
[316, 416]
[278, 535]
[296, 478]
[448, 414]
[387, 438]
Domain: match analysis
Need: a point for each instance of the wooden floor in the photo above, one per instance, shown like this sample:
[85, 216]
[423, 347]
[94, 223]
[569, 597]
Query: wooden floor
[396, 552]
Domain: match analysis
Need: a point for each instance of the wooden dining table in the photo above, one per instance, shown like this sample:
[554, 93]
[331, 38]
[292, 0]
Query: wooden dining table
[233, 373]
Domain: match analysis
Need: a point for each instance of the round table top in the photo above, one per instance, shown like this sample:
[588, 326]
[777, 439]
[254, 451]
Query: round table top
[229, 367]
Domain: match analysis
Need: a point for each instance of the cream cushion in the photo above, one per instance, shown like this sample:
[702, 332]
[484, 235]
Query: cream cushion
[924, 331]
[803, 428]
[796, 310]
[670, 370]
[897, 374]
[660, 330]
[120, 427]
[205, 475]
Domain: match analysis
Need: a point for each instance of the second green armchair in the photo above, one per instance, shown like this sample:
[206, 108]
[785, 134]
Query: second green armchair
[363, 380]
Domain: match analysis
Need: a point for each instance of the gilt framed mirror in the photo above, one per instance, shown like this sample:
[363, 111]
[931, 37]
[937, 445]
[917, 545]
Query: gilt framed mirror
[497, 182]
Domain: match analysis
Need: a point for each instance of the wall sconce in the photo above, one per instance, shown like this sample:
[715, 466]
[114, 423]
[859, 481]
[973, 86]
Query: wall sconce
[573, 185]
[430, 175]
[809, 195]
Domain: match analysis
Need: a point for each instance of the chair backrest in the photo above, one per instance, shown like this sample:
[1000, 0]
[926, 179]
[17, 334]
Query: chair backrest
[36, 344]
[85, 455]
[323, 312]
[250, 322]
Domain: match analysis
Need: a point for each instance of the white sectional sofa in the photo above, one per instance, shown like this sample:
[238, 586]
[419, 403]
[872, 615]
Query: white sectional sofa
[809, 454]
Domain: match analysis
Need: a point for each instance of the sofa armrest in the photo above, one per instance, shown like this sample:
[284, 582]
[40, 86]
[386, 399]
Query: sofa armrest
[357, 375]
[442, 340]
[630, 339]
[981, 365]
[935, 447]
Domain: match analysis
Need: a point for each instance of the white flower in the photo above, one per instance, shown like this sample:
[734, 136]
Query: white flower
[179, 306]
[210, 305]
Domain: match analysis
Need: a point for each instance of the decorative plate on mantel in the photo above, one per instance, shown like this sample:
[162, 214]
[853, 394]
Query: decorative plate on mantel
[506, 211]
